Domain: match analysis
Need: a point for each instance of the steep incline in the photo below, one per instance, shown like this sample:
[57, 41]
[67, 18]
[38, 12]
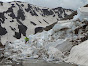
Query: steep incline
[18, 19]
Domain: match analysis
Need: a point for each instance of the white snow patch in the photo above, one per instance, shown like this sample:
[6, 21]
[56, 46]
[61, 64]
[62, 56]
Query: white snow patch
[79, 54]
[82, 14]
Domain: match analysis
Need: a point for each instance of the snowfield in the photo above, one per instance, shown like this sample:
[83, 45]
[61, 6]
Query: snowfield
[62, 43]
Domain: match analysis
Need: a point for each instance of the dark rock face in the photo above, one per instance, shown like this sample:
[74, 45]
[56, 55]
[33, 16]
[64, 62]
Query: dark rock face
[12, 21]
[19, 17]
[33, 23]
[70, 16]
[1, 3]
[47, 12]
[2, 18]
[61, 11]
[2, 30]
[38, 29]
[17, 35]
[45, 21]
[20, 14]
[47, 28]
[22, 29]
[29, 8]
[32, 12]
[13, 29]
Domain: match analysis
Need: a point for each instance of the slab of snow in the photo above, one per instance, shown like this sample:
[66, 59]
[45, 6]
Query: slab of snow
[79, 54]
[84, 10]
[82, 13]
[60, 26]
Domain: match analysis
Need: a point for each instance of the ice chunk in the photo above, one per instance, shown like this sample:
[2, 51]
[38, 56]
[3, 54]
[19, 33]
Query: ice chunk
[82, 14]
[60, 26]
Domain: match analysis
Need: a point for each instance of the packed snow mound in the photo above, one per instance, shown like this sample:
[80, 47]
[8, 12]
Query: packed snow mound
[54, 44]
[79, 54]
[82, 13]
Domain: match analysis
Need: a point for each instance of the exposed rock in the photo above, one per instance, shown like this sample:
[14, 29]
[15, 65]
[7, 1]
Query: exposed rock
[38, 29]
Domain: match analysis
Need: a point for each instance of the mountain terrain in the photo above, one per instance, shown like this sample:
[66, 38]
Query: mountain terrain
[20, 19]
[55, 35]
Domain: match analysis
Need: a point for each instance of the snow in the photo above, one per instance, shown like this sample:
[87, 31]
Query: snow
[84, 10]
[79, 54]
[60, 26]
[20, 50]
[82, 13]
[39, 21]
[53, 45]
[48, 45]
[39, 46]
[17, 49]
[55, 53]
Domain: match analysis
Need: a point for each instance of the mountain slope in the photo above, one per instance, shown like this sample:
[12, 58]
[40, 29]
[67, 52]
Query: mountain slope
[61, 38]
[18, 19]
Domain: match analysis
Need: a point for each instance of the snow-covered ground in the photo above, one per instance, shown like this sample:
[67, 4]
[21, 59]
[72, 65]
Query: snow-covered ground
[55, 44]
[41, 45]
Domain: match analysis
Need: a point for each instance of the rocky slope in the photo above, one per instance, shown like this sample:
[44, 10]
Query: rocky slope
[19, 19]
